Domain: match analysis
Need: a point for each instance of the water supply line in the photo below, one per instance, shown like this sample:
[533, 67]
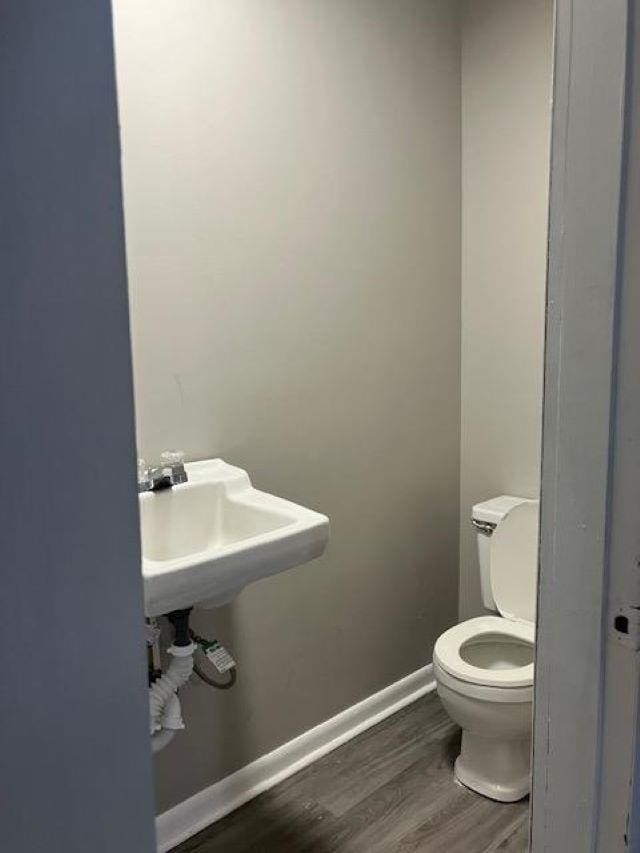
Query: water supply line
[203, 643]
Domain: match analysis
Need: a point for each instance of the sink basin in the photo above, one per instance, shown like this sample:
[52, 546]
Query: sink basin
[206, 539]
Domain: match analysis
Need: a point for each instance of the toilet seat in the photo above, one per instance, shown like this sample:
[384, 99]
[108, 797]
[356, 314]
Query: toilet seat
[447, 652]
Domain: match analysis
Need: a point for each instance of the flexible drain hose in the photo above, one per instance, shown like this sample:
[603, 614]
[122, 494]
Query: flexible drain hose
[163, 715]
[171, 723]
[161, 739]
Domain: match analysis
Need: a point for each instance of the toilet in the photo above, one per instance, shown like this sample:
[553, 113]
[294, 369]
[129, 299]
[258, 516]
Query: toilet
[484, 667]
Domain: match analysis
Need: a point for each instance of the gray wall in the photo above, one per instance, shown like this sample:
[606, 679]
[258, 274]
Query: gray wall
[74, 737]
[506, 90]
[292, 203]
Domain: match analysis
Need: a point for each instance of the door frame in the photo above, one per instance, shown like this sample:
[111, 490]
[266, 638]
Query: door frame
[590, 412]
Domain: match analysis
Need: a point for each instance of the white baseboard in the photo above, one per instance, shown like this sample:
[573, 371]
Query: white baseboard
[204, 808]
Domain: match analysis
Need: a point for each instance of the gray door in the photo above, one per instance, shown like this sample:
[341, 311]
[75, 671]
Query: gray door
[74, 741]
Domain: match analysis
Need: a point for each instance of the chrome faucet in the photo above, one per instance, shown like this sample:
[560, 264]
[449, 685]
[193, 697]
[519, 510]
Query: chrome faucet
[170, 473]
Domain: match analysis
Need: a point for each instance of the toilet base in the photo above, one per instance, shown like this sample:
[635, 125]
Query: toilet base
[497, 769]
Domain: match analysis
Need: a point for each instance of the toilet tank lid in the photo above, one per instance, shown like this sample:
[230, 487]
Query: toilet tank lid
[494, 510]
[513, 560]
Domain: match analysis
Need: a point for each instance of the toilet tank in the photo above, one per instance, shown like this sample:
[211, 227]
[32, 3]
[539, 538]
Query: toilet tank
[485, 517]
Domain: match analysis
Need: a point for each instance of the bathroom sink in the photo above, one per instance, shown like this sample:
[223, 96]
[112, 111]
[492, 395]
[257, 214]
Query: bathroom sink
[206, 539]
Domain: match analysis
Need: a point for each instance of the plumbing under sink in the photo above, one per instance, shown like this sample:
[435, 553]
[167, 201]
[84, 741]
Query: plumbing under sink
[205, 539]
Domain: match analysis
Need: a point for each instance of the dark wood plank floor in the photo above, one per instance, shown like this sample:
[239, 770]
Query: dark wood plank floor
[390, 790]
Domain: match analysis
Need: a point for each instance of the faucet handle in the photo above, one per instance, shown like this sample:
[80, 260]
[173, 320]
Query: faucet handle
[172, 458]
[144, 478]
[174, 461]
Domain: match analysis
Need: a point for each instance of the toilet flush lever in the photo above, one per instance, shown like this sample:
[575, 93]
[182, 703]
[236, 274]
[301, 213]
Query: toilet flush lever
[486, 527]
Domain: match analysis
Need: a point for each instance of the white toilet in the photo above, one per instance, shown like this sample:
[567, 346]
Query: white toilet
[484, 667]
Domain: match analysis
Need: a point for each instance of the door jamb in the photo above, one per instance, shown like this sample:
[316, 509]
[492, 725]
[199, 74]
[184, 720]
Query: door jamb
[588, 127]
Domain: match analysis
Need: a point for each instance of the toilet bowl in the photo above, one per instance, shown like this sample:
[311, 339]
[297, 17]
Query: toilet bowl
[484, 672]
[484, 667]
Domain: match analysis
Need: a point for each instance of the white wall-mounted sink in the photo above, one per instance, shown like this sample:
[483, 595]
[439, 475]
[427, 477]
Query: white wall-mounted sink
[206, 539]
